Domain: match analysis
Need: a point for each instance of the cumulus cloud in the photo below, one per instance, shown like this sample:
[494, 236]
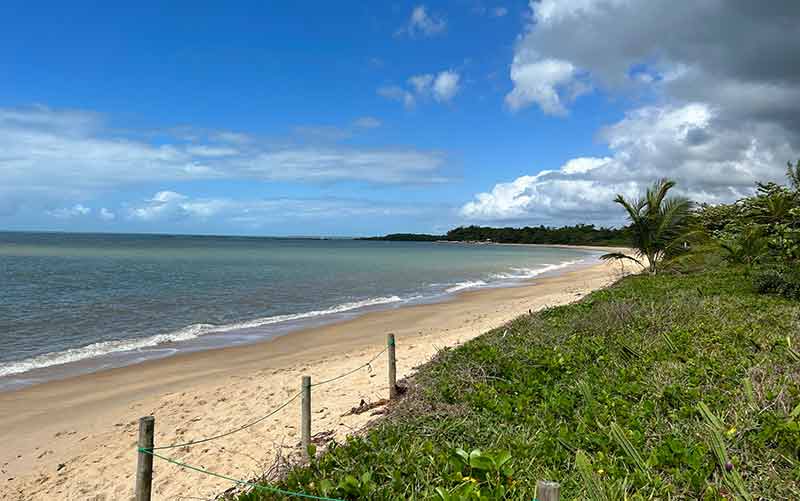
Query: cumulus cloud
[692, 51]
[724, 110]
[423, 24]
[446, 85]
[544, 82]
[442, 87]
[649, 143]
[49, 156]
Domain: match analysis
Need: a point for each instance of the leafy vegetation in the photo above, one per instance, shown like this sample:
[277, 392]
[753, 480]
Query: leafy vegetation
[407, 237]
[761, 232]
[581, 234]
[673, 386]
[657, 222]
[681, 385]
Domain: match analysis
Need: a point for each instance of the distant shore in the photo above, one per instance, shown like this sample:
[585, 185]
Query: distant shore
[74, 438]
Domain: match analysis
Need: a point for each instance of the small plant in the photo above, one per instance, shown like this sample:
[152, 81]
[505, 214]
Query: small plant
[747, 246]
[778, 280]
[480, 475]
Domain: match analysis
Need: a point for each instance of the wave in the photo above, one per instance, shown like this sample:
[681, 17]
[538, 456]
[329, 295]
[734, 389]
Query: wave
[196, 330]
[523, 273]
[185, 334]
[465, 285]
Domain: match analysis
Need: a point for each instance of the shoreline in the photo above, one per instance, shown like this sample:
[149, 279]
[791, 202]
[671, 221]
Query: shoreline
[223, 336]
[87, 451]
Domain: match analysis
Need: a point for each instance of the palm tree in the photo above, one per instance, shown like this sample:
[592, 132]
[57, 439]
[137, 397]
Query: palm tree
[656, 223]
[746, 247]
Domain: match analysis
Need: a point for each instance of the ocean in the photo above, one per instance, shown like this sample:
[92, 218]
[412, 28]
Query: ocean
[78, 303]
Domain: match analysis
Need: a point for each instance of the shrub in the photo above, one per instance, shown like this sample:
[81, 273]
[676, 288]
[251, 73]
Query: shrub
[778, 280]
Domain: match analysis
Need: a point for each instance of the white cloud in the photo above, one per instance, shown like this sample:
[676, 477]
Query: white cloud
[421, 83]
[326, 164]
[172, 206]
[726, 112]
[107, 214]
[540, 81]
[446, 85]
[76, 210]
[367, 123]
[163, 205]
[498, 12]
[49, 157]
[442, 87]
[711, 160]
[423, 24]
[211, 151]
[397, 93]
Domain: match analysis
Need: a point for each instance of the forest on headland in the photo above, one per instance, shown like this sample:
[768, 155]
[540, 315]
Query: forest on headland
[579, 234]
[678, 383]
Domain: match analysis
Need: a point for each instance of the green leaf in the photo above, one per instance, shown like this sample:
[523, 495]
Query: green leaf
[462, 455]
[503, 457]
[594, 489]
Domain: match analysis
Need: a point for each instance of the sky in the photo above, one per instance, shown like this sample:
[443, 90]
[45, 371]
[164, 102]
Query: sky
[363, 118]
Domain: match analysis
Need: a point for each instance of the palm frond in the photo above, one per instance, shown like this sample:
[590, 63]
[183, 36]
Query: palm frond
[633, 207]
[619, 256]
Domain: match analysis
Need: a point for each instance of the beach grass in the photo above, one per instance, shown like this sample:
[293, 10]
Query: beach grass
[676, 386]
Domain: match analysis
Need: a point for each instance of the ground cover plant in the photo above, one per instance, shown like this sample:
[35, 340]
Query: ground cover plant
[676, 386]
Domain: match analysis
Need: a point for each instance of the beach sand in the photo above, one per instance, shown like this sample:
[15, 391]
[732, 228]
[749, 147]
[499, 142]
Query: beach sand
[76, 438]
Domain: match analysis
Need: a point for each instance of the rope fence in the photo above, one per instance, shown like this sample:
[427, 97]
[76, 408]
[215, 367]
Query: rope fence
[146, 450]
[221, 435]
[245, 483]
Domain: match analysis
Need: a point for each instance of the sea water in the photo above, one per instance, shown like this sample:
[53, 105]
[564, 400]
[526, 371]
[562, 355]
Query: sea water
[77, 303]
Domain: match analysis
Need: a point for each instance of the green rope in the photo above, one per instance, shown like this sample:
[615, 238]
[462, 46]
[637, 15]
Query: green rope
[352, 371]
[248, 425]
[253, 485]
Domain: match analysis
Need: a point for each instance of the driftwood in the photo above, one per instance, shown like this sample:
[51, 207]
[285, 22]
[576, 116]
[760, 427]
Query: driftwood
[364, 407]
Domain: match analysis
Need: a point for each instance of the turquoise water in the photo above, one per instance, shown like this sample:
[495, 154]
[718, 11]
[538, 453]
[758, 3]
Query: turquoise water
[73, 303]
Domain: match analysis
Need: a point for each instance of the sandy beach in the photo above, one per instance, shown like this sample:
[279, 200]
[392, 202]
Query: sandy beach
[76, 438]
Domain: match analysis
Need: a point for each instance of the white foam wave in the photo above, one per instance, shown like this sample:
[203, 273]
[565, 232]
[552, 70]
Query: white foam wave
[524, 273]
[184, 334]
[465, 285]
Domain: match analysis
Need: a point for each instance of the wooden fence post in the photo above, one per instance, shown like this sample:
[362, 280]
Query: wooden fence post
[305, 421]
[547, 491]
[392, 367]
[144, 464]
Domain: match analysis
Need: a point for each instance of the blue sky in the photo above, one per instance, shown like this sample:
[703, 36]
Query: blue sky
[355, 118]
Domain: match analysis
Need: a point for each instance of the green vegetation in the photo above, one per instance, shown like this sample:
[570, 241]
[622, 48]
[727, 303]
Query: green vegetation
[657, 222]
[624, 382]
[681, 385]
[582, 234]
[407, 237]
[761, 232]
